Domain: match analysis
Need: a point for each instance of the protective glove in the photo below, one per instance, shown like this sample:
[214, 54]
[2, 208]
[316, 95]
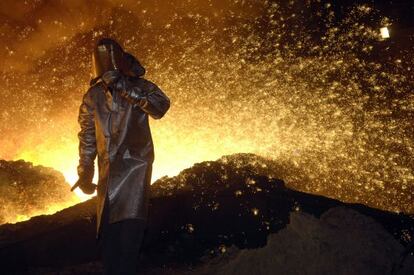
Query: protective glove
[110, 78]
[134, 95]
[86, 187]
[85, 181]
[118, 82]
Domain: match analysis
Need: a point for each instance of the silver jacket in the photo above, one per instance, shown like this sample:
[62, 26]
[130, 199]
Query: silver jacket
[119, 134]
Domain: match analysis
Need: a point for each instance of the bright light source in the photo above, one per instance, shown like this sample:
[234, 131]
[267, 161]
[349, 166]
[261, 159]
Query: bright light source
[385, 33]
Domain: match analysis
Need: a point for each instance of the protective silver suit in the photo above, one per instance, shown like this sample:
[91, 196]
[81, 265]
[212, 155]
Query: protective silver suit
[114, 125]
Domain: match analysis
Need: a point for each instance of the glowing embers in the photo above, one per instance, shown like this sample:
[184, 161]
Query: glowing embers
[385, 33]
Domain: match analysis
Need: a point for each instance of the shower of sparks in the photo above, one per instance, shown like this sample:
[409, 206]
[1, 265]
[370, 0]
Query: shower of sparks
[242, 77]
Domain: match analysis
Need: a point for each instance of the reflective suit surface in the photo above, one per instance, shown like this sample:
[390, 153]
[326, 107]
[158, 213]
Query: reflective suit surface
[118, 133]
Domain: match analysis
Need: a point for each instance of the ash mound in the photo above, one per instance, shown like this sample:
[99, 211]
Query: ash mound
[227, 216]
[27, 190]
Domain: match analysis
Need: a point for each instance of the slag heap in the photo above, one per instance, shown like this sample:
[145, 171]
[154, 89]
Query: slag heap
[27, 190]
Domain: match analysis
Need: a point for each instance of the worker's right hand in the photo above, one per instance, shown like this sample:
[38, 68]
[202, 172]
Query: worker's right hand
[87, 187]
[111, 77]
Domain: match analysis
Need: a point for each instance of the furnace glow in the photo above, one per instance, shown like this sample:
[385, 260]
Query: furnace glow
[245, 86]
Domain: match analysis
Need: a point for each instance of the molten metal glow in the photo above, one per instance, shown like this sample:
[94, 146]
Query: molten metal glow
[51, 209]
[258, 82]
[175, 151]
